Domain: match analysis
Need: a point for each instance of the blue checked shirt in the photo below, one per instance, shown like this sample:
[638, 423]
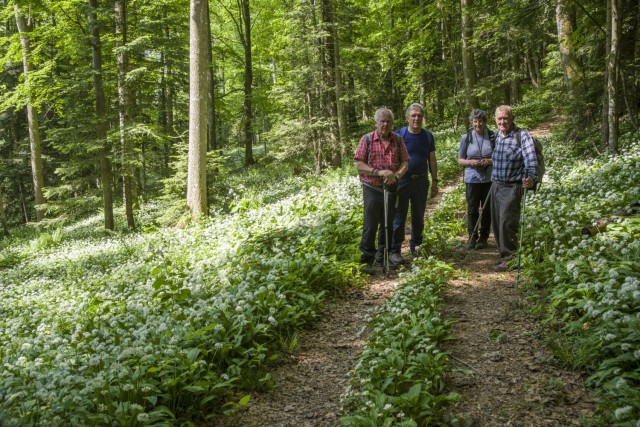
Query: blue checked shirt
[513, 161]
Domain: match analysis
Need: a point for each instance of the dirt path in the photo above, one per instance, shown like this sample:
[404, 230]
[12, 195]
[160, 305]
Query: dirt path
[308, 385]
[506, 374]
[503, 369]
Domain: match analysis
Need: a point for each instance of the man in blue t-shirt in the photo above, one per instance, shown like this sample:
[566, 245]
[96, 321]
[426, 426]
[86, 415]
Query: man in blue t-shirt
[413, 187]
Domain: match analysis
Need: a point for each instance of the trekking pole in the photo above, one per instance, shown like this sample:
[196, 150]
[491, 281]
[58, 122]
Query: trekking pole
[385, 259]
[524, 204]
[475, 229]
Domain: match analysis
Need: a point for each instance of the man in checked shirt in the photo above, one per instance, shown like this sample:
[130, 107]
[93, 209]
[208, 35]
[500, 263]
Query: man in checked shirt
[515, 167]
[381, 159]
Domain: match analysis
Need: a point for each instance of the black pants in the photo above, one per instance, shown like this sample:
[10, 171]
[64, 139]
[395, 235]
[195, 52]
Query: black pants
[411, 189]
[374, 222]
[476, 196]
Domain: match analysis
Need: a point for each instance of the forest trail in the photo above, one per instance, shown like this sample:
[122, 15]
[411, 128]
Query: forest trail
[503, 369]
[506, 374]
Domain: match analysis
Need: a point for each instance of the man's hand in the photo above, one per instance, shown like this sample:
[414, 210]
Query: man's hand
[434, 188]
[527, 182]
[388, 177]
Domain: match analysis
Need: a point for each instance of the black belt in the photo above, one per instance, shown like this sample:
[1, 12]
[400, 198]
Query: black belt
[508, 182]
[416, 176]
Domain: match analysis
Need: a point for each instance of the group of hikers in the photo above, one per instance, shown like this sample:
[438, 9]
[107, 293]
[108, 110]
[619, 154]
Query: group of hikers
[394, 169]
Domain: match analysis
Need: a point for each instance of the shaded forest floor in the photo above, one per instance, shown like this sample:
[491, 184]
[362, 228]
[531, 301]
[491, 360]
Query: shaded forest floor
[502, 367]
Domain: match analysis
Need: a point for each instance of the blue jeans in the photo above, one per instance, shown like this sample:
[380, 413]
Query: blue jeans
[412, 189]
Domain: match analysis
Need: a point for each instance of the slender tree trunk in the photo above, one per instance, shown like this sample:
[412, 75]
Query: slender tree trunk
[101, 125]
[515, 81]
[532, 66]
[468, 59]
[3, 215]
[570, 64]
[211, 99]
[612, 73]
[341, 110]
[247, 109]
[123, 103]
[167, 102]
[328, 46]
[23, 204]
[604, 126]
[198, 94]
[37, 169]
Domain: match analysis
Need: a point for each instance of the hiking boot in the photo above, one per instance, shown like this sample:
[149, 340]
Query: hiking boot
[379, 258]
[397, 259]
[472, 243]
[500, 267]
[416, 252]
[367, 269]
[482, 243]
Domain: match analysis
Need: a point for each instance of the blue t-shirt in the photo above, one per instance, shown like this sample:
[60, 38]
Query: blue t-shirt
[419, 145]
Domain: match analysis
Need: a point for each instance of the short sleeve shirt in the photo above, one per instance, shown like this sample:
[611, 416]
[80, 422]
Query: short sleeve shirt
[476, 148]
[420, 146]
[381, 155]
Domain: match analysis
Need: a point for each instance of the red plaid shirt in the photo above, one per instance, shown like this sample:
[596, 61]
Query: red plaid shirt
[381, 155]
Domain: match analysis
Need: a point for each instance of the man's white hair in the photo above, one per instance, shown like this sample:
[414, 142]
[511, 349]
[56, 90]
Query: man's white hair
[380, 112]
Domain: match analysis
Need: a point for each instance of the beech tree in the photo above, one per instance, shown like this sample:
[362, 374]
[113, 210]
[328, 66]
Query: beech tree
[101, 119]
[612, 76]
[198, 94]
[123, 109]
[37, 170]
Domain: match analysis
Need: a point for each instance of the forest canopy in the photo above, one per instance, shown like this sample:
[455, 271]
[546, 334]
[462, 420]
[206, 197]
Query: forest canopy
[95, 95]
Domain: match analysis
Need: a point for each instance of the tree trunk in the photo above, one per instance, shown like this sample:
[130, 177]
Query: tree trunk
[328, 46]
[123, 108]
[604, 123]
[101, 122]
[167, 103]
[532, 66]
[35, 147]
[468, 59]
[612, 73]
[247, 109]
[570, 64]
[212, 142]
[3, 215]
[198, 94]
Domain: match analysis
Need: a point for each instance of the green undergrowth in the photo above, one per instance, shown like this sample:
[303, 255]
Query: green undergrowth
[399, 377]
[158, 327]
[591, 283]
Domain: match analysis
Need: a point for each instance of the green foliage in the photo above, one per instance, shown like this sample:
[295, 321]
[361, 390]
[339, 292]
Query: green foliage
[144, 329]
[592, 283]
[399, 377]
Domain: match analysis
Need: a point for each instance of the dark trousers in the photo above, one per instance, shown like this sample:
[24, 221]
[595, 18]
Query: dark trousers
[505, 211]
[374, 222]
[411, 190]
[476, 197]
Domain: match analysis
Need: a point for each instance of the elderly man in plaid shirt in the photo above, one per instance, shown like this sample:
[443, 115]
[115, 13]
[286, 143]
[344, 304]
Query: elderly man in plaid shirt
[381, 159]
[515, 167]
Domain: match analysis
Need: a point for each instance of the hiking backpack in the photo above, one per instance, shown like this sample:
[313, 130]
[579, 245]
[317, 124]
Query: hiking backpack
[538, 147]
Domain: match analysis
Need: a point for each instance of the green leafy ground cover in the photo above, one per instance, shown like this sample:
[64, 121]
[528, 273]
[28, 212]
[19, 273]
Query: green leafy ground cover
[143, 328]
[399, 377]
[591, 284]
[157, 327]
